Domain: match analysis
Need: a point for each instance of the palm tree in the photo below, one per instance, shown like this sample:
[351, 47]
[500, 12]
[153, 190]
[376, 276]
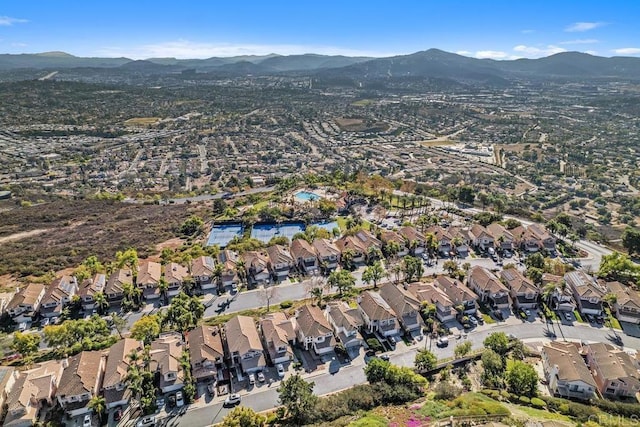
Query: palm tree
[347, 259]
[610, 299]
[101, 302]
[241, 270]
[97, 404]
[547, 293]
[318, 294]
[162, 288]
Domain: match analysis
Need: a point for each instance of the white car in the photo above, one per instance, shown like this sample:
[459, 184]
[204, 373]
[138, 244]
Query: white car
[87, 421]
[280, 370]
[261, 377]
[232, 399]
[179, 399]
[148, 421]
[252, 379]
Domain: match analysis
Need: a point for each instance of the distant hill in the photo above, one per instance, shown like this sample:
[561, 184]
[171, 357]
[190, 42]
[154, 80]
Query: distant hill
[431, 64]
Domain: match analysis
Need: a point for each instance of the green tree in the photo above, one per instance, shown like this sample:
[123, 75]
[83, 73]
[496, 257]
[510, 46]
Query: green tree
[373, 273]
[522, 379]
[462, 349]
[450, 266]
[342, 280]
[98, 405]
[318, 294]
[346, 258]
[25, 344]
[376, 370]
[535, 260]
[118, 323]
[101, 302]
[146, 329]
[184, 312]
[412, 268]
[617, 266]
[631, 240]
[192, 226]
[241, 416]
[498, 342]
[535, 274]
[128, 258]
[492, 362]
[425, 360]
[296, 395]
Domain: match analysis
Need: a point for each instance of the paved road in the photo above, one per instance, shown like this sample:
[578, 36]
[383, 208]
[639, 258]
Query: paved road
[205, 197]
[265, 398]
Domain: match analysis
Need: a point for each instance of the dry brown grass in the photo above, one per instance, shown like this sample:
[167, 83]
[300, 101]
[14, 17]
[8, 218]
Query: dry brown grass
[142, 121]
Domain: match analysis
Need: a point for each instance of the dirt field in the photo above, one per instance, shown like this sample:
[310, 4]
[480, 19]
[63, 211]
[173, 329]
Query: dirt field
[69, 231]
[142, 121]
[359, 125]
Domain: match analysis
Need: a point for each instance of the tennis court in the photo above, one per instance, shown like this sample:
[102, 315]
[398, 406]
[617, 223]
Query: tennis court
[222, 234]
[266, 231]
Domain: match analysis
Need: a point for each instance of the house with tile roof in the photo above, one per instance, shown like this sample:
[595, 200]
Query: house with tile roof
[257, 265]
[459, 294]
[416, 241]
[206, 353]
[613, 370]
[305, 256]
[244, 347]
[328, 254]
[81, 380]
[114, 384]
[488, 287]
[377, 314]
[586, 291]
[627, 303]
[57, 295]
[148, 279]
[166, 352]
[26, 302]
[31, 390]
[480, 237]
[89, 287]
[175, 275]
[389, 236]
[280, 262]
[428, 293]
[404, 304]
[346, 323]
[502, 238]
[116, 283]
[524, 293]
[565, 371]
[313, 330]
[203, 272]
[229, 279]
[278, 333]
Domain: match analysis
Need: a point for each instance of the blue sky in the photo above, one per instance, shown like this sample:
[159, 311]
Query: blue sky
[200, 29]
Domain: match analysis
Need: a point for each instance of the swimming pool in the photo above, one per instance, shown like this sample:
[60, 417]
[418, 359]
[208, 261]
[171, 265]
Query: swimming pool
[307, 196]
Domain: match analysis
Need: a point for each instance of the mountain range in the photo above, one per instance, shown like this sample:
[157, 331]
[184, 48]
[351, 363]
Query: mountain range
[432, 63]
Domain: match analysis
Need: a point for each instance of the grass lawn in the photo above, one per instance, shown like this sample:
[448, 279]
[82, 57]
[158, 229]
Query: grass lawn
[342, 224]
[537, 414]
[261, 204]
[487, 319]
[370, 420]
[611, 321]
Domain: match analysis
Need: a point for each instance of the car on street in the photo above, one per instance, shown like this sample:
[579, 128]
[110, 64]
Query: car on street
[392, 341]
[384, 357]
[232, 399]
[473, 321]
[252, 379]
[87, 421]
[179, 399]
[148, 421]
[280, 369]
[442, 342]
[117, 415]
[479, 318]
[261, 377]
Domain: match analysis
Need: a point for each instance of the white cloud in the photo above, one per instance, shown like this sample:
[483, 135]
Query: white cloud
[536, 52]
[463, 52]
[491, 54]
[627, 51]
[581, 41]
[185, 49]
[18, 44]
[6, 21]
[528, 31]
[579, 27]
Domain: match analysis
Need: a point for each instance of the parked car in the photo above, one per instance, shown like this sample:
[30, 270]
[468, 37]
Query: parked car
[211, 389]
[160, 402]
[148, 421]
[384, 357]
[479, 319]
[473, 321]
[392, 341]
[252, 379]
[442, 342]
[179, 399]
[172, 401]
[232, 399]
[117, 415]
[261, 377]
[567, 316]
[87, 421]
[280, 369]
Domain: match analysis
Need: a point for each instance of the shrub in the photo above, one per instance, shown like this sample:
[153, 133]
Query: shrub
[374, 344]
[524, 400]
[537, 403]
[582, 412]
[505, 394]
[446, 391]
[286, 304]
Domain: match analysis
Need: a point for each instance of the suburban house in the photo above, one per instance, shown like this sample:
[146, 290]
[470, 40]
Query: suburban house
[313, 330]
[116, 283]
[57, 295]
[627, 304]
[257, 265]
[357, 247]
[203, 271]
[81, 380]
[5, 298]
[443, 238]
[430, 294]
[229, 276]
[346, 323]
[524, 293]
[459, 241]
[26, 302]
[280, 262]
[405, 305]
[305, 257]
[165, 353]
[369, 241]
[114, 384]
[613, 370]
[502, 238]
[534, 238]
[148, 279]
[460, 295]
[586, 291]
[389, 236]
[31, 391]
[175, 274]
[244, 346]
[328, 254]
[278, 332]
[480, 237]
[206, 353]
[416, 240]
[377, 314]
[89, 287]
[566, 372]
[7, 380]
[488, 287]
